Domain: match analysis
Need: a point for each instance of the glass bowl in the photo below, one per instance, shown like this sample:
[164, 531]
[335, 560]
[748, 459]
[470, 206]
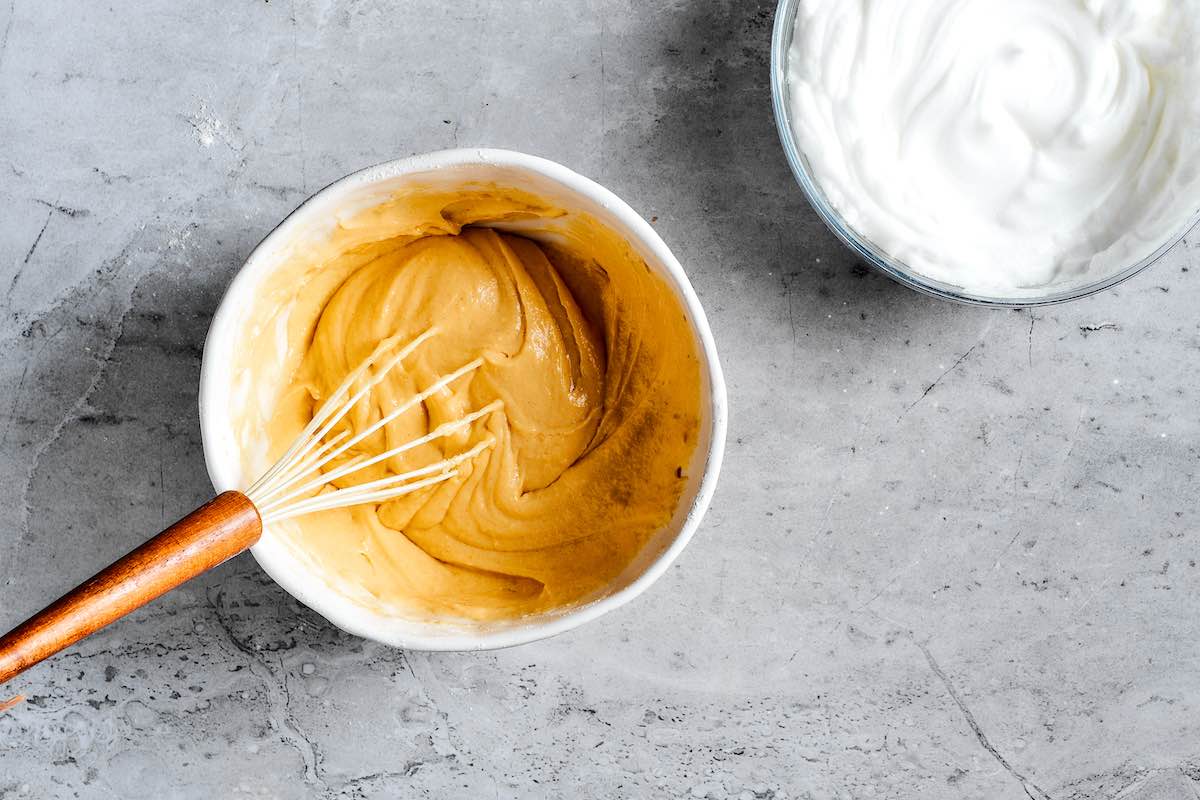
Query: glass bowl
[781, 41]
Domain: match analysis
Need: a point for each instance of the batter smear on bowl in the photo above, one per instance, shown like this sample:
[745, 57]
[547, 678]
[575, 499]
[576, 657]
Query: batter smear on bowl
[579, 362]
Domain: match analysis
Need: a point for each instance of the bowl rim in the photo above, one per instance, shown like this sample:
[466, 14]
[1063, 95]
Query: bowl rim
[327, 602]
[781, 39]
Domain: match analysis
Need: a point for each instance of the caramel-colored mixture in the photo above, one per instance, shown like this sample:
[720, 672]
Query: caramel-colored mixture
[588, 354]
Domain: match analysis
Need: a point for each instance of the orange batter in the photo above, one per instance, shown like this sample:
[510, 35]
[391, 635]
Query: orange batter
[587, 355]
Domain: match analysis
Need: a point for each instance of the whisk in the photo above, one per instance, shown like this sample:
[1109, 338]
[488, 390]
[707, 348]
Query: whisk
[302, 481]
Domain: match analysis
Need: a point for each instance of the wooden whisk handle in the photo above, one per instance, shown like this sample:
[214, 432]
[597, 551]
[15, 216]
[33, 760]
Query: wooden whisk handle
[210, 535]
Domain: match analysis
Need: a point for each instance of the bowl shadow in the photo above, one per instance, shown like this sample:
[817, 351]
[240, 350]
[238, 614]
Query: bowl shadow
[715, 136]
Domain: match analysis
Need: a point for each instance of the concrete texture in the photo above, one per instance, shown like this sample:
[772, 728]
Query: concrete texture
[953, 553]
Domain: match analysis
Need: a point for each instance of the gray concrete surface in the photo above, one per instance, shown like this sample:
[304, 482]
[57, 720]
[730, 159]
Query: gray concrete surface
[953, 554]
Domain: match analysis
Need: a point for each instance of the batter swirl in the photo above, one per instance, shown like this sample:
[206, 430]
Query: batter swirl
[589, 368]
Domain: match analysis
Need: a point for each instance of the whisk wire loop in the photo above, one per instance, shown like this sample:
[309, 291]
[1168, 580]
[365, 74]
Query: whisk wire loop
[420, 397]
[362, 462]
[330, 412]
[314, 505]
[286, 490]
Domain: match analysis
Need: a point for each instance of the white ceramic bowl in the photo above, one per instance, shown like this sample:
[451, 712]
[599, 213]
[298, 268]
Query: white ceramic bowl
[558, 186]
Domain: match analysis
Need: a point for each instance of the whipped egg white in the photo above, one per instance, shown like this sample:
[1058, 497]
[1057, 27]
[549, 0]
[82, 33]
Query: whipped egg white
[1007, 147]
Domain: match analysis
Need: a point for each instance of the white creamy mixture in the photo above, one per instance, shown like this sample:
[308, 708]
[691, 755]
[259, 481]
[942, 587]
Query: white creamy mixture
[1003, 146]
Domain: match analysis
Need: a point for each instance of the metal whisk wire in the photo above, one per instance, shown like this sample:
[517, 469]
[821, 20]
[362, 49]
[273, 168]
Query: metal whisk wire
[292, 486]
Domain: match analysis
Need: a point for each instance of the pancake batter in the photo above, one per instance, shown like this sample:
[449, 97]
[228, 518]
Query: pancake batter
[587, 356]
